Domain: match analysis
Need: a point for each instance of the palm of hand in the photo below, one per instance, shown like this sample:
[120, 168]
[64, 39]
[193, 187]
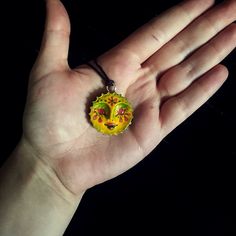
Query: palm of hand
[163, 90]
[57, 126]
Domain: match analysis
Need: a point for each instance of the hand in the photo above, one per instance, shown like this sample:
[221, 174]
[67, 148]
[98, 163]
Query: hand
[167, 69]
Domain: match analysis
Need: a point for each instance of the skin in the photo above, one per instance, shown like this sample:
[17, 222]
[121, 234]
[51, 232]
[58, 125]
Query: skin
[61, 155]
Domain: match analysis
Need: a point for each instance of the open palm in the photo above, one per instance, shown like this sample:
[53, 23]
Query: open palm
[166, 69]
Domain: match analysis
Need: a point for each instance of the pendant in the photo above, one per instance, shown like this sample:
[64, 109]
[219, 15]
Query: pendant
[111, 113]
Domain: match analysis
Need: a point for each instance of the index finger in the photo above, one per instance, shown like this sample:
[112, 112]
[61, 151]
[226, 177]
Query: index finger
[150, 37]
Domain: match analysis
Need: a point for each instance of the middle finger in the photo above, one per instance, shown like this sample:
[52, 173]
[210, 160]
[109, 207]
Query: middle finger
[195, 35]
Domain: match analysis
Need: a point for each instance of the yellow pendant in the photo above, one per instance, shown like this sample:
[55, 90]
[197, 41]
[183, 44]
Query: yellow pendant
[111, 113]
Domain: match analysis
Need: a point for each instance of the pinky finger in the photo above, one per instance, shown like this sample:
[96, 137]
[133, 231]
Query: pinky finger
[178, 108]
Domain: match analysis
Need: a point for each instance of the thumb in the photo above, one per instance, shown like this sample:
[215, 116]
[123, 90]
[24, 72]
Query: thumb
[53, 53]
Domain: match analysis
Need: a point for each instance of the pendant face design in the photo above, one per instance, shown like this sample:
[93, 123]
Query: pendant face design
[111, 113]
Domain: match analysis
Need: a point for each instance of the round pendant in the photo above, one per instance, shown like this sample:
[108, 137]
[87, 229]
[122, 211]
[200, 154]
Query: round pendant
[111, 113]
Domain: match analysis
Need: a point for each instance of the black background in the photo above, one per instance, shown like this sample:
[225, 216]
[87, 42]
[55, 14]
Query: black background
[186, 185]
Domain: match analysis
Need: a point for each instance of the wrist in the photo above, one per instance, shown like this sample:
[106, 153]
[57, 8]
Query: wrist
[31, 168]
[31, 192]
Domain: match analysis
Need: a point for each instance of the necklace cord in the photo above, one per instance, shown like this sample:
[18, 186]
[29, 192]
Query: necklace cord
[94, 65]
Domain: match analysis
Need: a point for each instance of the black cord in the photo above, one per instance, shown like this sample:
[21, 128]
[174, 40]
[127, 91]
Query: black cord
[94, 65]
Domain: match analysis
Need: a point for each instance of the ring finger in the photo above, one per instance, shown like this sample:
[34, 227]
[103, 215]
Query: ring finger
[181, 76]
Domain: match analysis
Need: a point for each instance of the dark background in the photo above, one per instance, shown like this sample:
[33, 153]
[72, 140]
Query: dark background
[186, 185]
